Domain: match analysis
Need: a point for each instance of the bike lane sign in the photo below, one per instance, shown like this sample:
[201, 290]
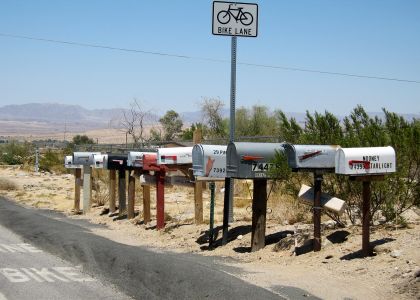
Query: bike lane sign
[235, 19]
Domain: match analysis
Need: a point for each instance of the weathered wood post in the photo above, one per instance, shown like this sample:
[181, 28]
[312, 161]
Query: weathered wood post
[198, 186]
[131, 194]
[77, 184]
[122, 199]
[146, 204]
[87, 188]
[259, 214]
[317, 211]
[112, 190]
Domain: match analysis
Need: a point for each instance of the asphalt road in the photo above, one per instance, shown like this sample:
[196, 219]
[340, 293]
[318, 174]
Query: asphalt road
[77, 264]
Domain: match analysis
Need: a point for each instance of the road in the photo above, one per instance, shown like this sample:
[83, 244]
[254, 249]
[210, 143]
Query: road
[45, 255]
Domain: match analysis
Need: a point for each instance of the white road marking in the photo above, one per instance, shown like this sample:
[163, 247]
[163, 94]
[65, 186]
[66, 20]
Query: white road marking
[63, 274]
[2, 297]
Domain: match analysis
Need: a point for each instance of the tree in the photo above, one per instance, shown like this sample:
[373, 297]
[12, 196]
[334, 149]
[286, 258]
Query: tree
[187, 134]
[212, 114]
[82, 140]
[172, 125]
[134, 120]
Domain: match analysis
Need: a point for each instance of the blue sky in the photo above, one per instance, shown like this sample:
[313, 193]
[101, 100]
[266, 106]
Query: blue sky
[375, 38]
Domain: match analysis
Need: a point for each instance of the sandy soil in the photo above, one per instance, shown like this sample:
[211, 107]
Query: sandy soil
[336, 272]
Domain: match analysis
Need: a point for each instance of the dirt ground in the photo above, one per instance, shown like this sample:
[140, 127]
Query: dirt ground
[336, 272]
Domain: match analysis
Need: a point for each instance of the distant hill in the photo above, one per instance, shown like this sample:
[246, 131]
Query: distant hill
[57, 113]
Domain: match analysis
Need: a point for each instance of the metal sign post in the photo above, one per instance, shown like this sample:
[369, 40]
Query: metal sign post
[233, 19]
[37, 160]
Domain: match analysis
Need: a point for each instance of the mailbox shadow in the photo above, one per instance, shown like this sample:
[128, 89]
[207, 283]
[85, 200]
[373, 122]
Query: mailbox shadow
[232, 235]
[338, 237]
[359, 253]
[269, 239]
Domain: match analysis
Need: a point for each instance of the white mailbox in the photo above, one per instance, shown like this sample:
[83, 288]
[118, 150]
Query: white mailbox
[135, 158]
[83, 158]
[209, 160]
[365, 161]
[97, 160]
[174, 156]
[68, 163]
[310, 157]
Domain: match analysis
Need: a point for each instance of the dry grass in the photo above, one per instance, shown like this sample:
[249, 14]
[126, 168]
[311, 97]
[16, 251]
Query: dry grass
[7, 185]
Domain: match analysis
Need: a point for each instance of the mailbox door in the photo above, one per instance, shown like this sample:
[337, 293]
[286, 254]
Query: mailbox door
[365, 161]
[209, 160]
[68, 161]
[149, 161]
[310, 157]
[135, 159]
[251, 160]
[175, 156]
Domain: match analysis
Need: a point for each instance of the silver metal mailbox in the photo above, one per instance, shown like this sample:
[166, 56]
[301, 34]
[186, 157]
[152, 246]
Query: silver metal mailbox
[310, 157]
[209, 160]
[135, 158]
[97, 160]
[251, 160]
[83, 158]
[174, 156]
[68, 163]
[365, 161]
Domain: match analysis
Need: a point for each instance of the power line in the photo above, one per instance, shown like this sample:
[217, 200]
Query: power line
[208, 59]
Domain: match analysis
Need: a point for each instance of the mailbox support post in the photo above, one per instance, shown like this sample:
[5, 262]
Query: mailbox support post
[317, 211]
[226, 212]
[77, 183]
[122, 207]
[366, 218]
[87, 188]
[198, 186]
[259, 214]
[146, 204]
[212, 188]
[112, 190]
[160, 199]
[131, 195]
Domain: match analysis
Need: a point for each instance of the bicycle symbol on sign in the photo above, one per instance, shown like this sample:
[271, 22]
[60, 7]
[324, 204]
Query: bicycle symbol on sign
[245, 18]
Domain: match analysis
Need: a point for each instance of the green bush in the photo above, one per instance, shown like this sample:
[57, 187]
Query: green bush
[16, 153]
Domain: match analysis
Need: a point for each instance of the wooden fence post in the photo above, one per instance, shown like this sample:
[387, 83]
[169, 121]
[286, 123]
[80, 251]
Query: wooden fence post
[122, 198]
[112, 190]
[259, 214]
[198, 186]
[77, 183]
[146, 204]
[131, 194]
[87, 188]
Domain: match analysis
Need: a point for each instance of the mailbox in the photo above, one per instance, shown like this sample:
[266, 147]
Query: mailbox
[310, 157]
[149, 162]
[68, 163]
[174, 156]
[83, 158]
[365, 161]
[209, 160]
[97, 160]
[135, 158]
[251, 160]
[115, 161]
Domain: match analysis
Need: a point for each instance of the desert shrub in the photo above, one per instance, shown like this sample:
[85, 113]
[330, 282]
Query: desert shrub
[15, 153]
[7, 185]
[52, 161]
[397, 193]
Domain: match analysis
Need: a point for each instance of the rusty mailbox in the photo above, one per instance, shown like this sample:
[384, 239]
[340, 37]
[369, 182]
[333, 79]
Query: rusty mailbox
[365, 161]
[209, 161]
[174, 156]
[310, 157]
[68, 163]
[251, 160]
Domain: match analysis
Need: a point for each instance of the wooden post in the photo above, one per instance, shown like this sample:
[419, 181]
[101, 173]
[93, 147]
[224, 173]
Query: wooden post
[198, 202]
[131, 195]
[259, 214]
[366, 219]
[198, 186]
[146, 203]
[160, 199]
[121, 192]
[77, 183]
[112, 190]
[317, 212]
[87, 188]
